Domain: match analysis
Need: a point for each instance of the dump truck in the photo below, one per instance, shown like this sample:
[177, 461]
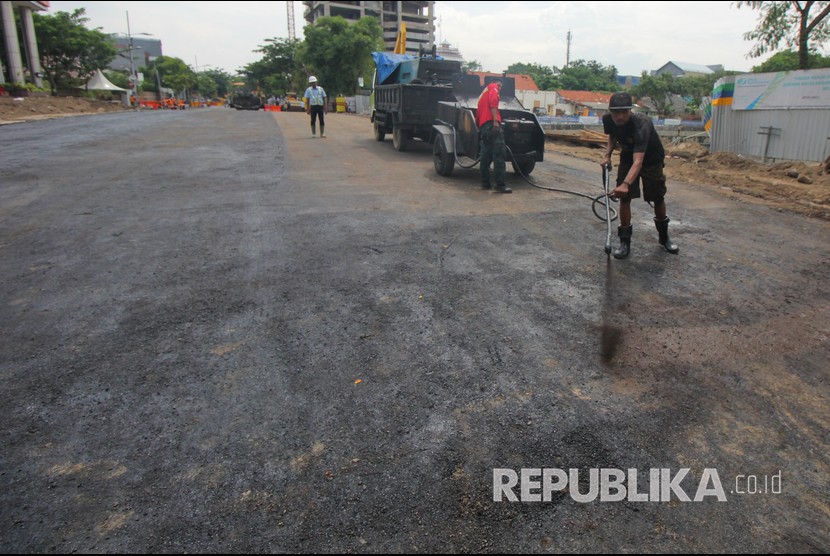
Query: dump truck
[406, 90]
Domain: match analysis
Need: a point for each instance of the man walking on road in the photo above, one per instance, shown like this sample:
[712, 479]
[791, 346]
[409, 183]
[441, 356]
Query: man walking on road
[315, 105]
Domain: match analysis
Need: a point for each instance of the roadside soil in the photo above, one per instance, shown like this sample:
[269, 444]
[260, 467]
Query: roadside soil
[14, 110]
[797, 187]
[787, 186]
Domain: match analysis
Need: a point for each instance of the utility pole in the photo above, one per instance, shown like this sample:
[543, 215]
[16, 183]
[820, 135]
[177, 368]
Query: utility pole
[568, 50]
[133, 77]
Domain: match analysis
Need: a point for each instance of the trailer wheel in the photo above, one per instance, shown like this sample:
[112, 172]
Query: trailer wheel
[400, 138]
[379, 133]
[525, 167]
[443, 160]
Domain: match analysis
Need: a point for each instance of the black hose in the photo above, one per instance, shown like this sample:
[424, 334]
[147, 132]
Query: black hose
[598, 200]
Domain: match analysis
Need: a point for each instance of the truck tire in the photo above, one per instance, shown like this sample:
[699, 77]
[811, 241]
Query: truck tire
[524, 167]
[443, 160]
[400, 138]
[380, 135]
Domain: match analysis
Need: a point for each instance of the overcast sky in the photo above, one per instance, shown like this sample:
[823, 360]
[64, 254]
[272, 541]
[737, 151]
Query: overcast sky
[632, 36]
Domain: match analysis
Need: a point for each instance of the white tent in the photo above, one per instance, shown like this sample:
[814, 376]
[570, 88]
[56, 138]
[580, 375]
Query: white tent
[99, 82]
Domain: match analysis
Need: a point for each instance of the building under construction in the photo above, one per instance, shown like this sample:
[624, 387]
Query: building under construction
[419, 18]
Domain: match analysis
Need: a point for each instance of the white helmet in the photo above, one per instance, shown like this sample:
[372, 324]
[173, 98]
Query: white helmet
[312, 79]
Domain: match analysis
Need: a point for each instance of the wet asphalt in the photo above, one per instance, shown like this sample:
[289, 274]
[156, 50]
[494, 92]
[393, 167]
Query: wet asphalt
[222, 335]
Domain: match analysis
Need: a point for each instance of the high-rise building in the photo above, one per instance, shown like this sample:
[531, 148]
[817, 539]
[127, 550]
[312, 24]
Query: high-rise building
[418, 16]
[144, 51]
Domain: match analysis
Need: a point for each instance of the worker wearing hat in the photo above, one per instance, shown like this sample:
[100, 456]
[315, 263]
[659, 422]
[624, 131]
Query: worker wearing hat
[315, 105]
[642, 158]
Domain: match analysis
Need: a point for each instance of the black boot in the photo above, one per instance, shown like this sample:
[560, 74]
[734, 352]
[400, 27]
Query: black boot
[625, 241]
[663, 230]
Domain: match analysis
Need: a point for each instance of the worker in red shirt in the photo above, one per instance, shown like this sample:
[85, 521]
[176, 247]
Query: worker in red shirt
[492, 148]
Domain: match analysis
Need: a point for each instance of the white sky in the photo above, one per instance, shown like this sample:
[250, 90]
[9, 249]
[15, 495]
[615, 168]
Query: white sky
[632, 36]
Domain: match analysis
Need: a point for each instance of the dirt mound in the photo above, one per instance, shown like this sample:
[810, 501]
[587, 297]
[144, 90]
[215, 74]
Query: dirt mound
[792, 186]
[33, 108]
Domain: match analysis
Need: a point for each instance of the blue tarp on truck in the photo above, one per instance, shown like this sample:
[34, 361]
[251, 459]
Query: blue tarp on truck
[389, 63]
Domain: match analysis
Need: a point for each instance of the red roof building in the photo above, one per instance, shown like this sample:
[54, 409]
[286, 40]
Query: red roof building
[523, 82]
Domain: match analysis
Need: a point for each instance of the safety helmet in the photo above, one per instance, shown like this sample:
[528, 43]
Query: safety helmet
[312, 79]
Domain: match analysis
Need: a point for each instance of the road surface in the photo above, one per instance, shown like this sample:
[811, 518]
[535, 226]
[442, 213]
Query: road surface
[222, 335]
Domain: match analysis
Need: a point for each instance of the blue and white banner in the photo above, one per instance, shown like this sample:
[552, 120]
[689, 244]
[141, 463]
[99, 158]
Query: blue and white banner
[803, 89]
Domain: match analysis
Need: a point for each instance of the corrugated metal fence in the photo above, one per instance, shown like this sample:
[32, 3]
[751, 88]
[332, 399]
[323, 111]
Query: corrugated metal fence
[771, 134]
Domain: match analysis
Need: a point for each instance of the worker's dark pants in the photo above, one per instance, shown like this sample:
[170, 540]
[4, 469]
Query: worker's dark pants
[315, 112]
[492, 149]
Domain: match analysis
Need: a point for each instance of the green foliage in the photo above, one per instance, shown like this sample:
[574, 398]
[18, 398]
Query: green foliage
[472, 65]
[659, 89]
[581, 75]
[543, 76]
[278, 71]
[790, 23]
[118, 78]
[338, 52]
[214, 83]
[29, 87]
[69, 52]
[584, 75]
[173, 73]
[787, 60]
[695, 88]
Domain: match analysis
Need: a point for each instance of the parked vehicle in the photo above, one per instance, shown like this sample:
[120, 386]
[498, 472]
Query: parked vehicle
[246, 101]
[406, 91]
[292, 103]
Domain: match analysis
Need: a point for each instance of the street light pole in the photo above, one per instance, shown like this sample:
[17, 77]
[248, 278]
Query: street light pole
[133, 77]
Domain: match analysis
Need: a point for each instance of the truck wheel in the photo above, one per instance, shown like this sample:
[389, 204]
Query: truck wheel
[444, 161]
[379, 133]
[525, 167]
[400, 138]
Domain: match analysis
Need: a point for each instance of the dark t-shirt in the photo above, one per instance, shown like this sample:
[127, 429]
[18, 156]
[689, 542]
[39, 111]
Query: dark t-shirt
[637, 136]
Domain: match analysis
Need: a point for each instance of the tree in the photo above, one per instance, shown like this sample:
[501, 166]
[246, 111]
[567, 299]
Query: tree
[274, 72]
[694, 88]
[787, 60]
[659, 89]
[221, 83]
[586, 76]
[338, 52]
[472, 65]
[173, 73]
[543, 76]
[790, 22]
[69, 52]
